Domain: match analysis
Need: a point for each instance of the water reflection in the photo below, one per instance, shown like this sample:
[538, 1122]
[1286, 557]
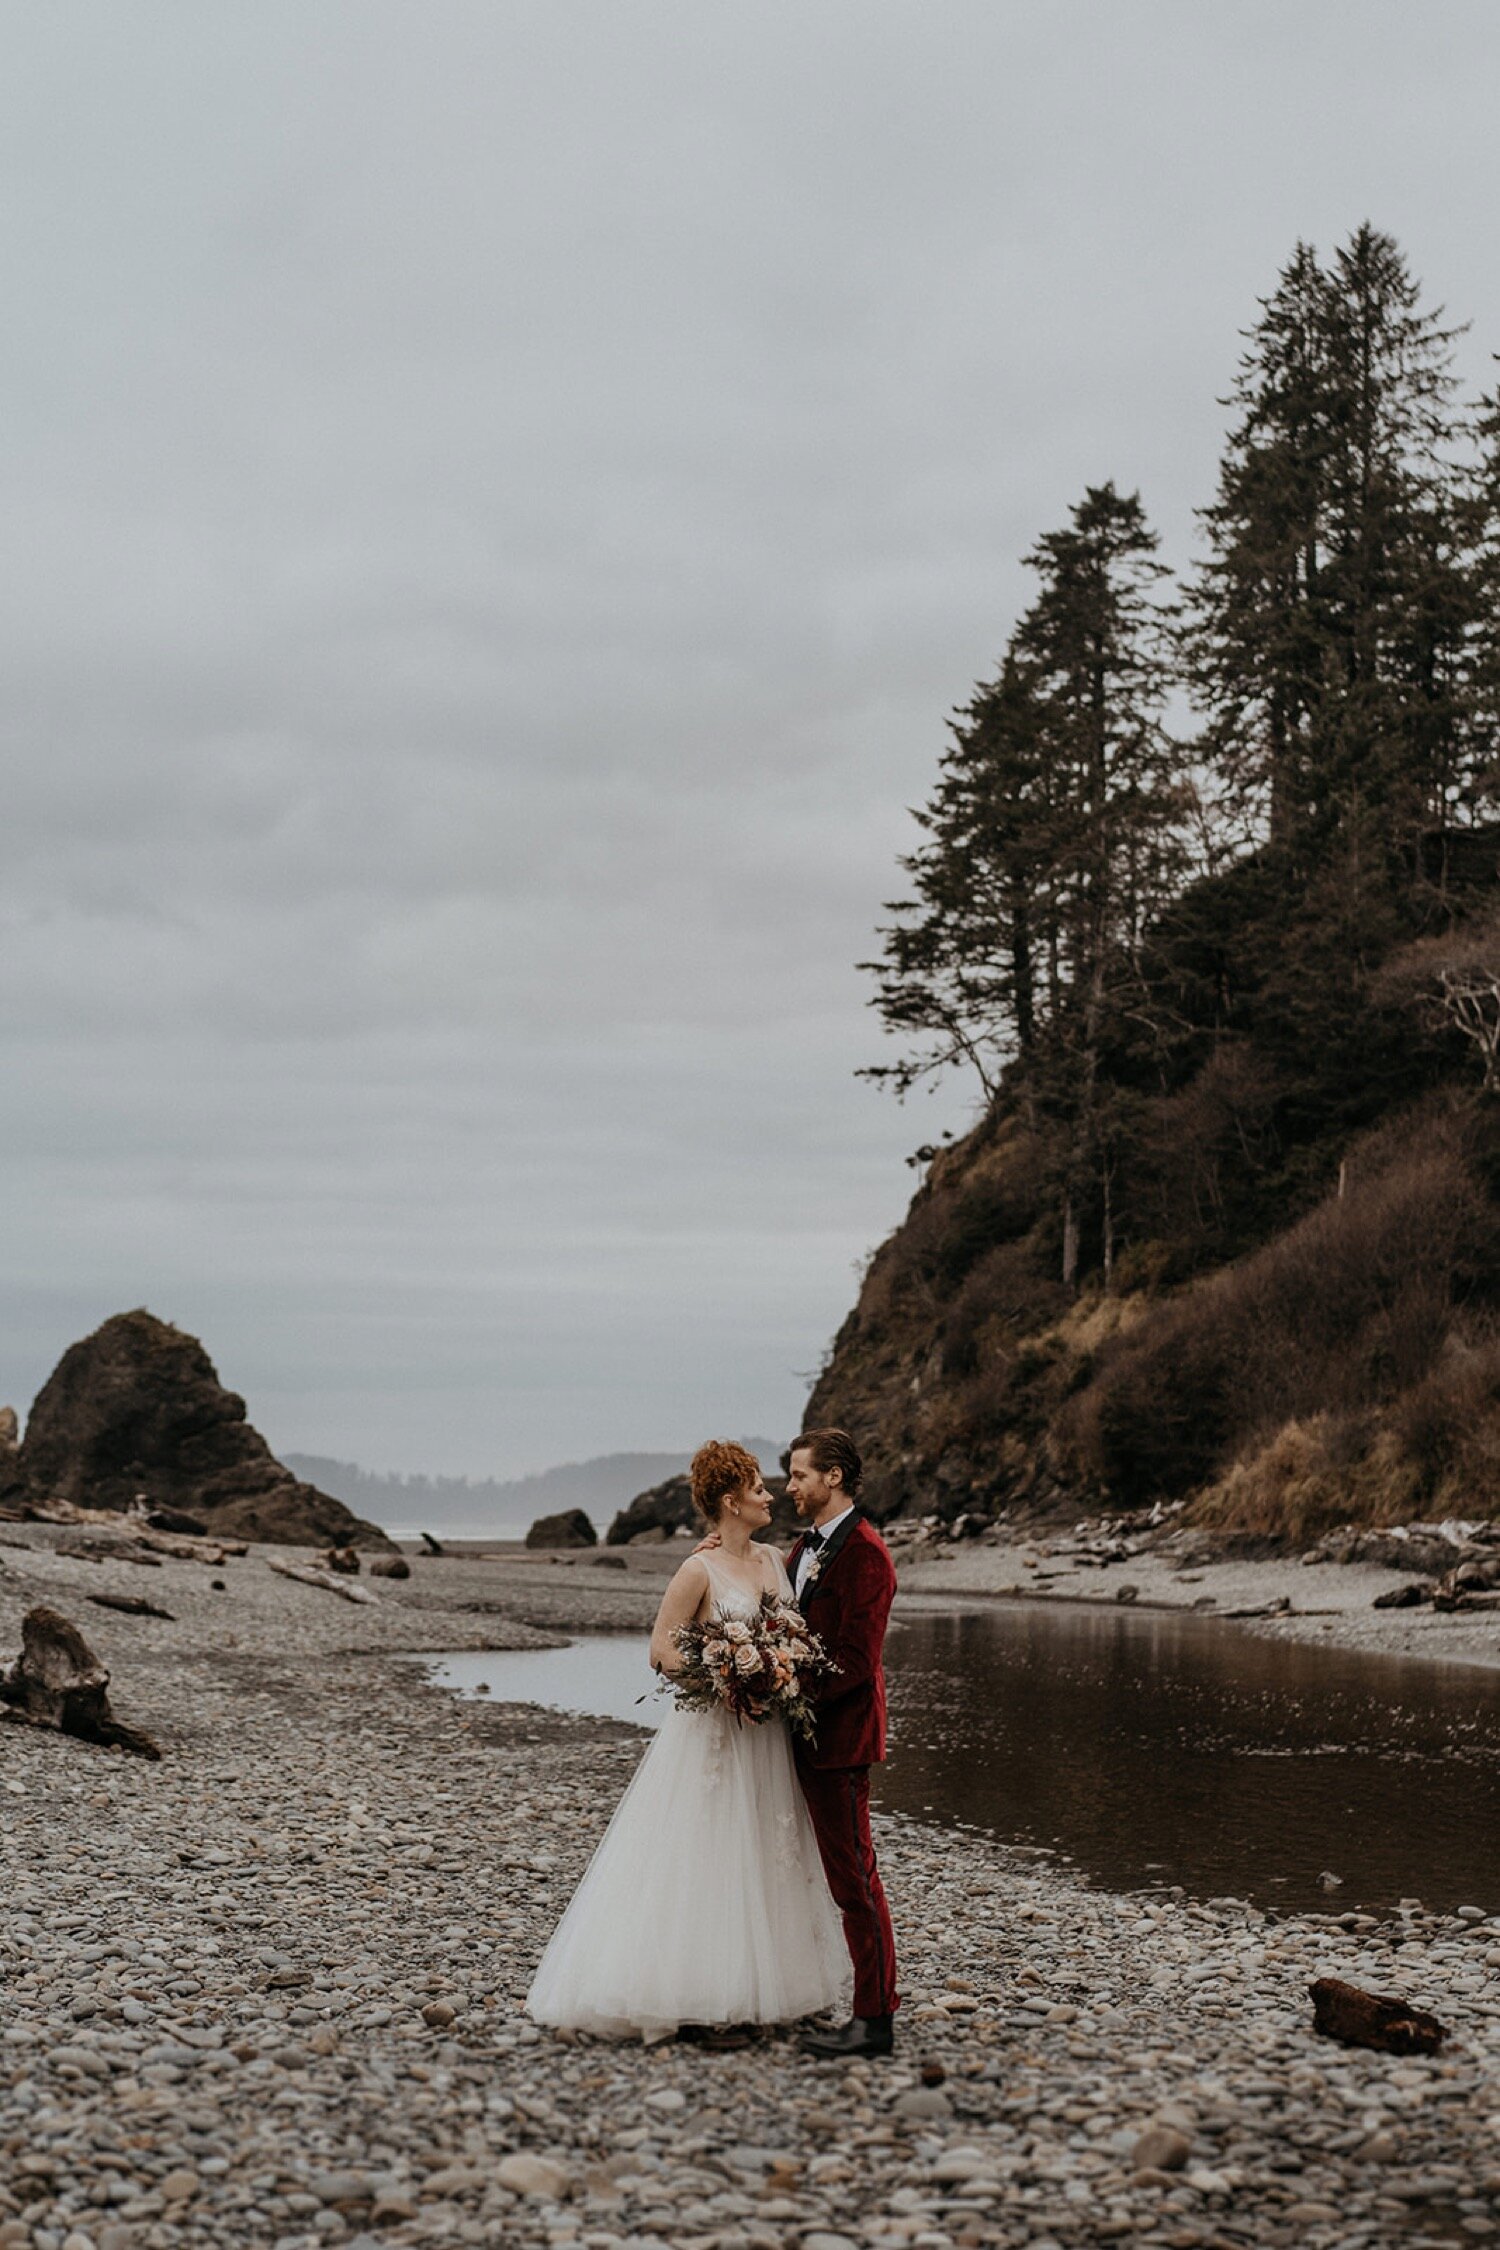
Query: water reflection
[1166, 1749]
[1155, 1749]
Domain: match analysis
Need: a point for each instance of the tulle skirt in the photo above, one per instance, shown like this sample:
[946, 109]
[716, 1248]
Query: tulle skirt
[705, 1902]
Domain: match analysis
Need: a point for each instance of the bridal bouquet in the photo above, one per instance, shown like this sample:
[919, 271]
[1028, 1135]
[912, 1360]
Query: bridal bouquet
[759, 1668]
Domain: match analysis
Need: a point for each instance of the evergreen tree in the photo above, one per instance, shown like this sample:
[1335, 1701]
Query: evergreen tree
[1484, 677]
[1097, 639]
[960, 967]
[1334, 619]
[1052, 837]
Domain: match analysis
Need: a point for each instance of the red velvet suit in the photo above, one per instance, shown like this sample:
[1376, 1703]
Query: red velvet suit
[847, 1605]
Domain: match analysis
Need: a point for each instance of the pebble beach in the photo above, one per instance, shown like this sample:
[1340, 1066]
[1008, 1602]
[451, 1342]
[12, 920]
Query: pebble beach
[268, 1991]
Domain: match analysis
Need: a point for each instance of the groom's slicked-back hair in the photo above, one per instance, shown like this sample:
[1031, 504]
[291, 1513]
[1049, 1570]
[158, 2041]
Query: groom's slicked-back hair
[833, 1449]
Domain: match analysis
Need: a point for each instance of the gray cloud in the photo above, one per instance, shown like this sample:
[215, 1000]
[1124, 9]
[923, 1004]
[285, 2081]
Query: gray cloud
[500, 503]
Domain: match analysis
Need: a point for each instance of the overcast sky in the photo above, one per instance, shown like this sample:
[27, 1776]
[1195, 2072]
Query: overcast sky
[499, 500]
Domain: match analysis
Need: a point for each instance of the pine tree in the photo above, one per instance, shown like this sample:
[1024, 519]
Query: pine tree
[960, 967]
[1484, 671]
[1051, 839]
[1097, 638]
[1333, 622]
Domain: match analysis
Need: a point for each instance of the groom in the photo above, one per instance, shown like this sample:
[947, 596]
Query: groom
[844, 1580]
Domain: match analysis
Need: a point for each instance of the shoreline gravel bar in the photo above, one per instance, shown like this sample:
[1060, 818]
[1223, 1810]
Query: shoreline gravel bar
[268, 1991]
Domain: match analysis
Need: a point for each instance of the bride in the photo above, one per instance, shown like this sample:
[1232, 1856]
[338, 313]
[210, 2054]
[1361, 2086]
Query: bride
[706, 1902]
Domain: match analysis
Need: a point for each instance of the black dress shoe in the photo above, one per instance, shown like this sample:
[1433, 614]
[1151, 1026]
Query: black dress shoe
[861, 2035]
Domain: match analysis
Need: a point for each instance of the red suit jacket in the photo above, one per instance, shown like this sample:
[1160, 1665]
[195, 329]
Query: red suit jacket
[847, 1605]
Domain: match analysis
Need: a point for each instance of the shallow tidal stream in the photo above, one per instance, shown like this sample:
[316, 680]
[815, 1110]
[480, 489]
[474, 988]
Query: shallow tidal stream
[1150, 1749]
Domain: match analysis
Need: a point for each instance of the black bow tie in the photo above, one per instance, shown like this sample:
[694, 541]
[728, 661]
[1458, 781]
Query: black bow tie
[815, 1538]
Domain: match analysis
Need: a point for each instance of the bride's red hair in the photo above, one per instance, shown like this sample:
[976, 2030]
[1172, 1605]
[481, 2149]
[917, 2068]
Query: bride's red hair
[720, 1469]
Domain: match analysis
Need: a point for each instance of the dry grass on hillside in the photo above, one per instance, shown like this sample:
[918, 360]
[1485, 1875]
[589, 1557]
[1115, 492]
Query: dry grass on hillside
[1347, 1370]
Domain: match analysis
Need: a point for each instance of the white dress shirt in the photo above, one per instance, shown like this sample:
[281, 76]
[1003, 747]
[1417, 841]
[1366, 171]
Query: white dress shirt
[825, 1533]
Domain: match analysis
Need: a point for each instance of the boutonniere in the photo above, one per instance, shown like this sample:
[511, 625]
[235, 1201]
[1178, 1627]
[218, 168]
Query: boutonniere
[813, 1572]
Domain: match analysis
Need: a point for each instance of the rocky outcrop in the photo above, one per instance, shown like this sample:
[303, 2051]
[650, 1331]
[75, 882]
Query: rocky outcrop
[571, 1528]
[135, 1414]
[12, 1483]
[662, 1508]
[665, 1509]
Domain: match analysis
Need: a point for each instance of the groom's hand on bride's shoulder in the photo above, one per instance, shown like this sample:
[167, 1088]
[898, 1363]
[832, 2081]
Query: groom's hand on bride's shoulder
[708, 1542]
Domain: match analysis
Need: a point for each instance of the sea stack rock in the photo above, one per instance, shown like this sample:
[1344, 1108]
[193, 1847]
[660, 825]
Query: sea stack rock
[571, 1528]
[136, 1412]
[664, 1508]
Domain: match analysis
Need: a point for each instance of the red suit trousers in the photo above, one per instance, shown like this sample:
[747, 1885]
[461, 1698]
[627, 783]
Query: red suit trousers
[838, 1798]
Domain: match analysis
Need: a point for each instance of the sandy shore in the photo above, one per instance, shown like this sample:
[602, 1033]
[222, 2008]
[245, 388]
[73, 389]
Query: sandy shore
[267, 1991]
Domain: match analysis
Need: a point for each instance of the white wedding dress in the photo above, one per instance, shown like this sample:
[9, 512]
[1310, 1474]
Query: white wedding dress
[706, 1901]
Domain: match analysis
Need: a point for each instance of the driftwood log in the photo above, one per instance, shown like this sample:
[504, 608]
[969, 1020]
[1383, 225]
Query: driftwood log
[130, 1605]
[1373, 2019]
[214, 1552]
[85, 1547]
[433, 1546]
[308, 1574]
[57, 1681]
[65, 1511]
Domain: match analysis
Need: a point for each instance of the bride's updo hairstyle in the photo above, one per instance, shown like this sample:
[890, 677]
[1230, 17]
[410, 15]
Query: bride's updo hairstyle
[720, 1470]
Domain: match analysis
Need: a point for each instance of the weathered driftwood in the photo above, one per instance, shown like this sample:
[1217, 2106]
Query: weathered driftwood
[66, 1511]
[57, 1681]
[214, 1552]
[308, 1574]
[433, 1546]
[86, 1547]
[131, 1605]
[1373, 2019]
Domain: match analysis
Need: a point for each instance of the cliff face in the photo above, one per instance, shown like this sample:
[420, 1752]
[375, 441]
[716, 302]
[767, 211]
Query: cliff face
[941, 1370]
[138, 1409]
[1300, 1327]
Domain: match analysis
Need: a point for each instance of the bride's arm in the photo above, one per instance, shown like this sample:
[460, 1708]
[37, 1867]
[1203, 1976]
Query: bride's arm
[680, 1604]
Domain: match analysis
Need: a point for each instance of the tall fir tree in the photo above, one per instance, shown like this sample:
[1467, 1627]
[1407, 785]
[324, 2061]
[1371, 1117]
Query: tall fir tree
[968, 956]
[1333, 621]
[1051, 839]
[1097, 637]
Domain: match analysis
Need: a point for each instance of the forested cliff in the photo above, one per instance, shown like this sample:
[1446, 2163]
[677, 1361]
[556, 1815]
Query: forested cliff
[1208, 900]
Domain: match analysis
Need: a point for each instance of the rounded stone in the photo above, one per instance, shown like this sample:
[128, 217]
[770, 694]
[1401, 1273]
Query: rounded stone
[537, 2177]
